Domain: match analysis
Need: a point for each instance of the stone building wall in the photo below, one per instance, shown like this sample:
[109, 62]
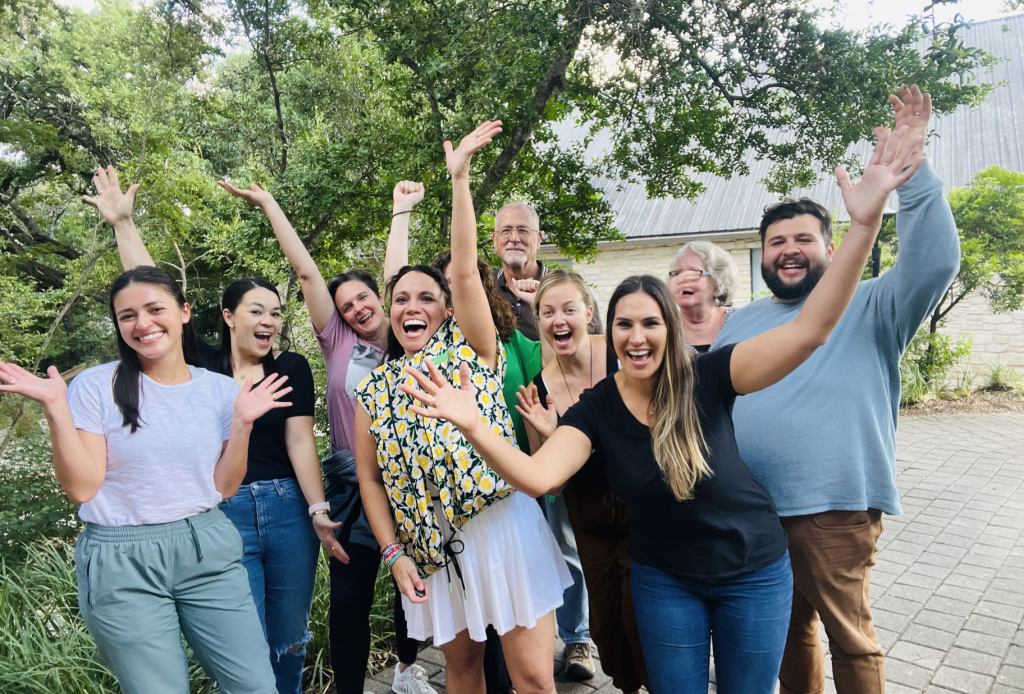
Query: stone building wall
[998, 338]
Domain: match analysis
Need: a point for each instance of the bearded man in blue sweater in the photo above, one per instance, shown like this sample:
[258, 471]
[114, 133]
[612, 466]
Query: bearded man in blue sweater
[823, 440]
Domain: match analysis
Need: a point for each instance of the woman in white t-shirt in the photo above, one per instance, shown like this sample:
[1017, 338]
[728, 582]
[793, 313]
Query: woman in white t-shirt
[149, 445]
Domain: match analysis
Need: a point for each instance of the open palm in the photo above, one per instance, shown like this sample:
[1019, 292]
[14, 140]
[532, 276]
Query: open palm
[458, 160]
[890, 167]
[544, 420]
[254, 196]
[442, 399]
[115, 205]
[253, 403]
[46, 391]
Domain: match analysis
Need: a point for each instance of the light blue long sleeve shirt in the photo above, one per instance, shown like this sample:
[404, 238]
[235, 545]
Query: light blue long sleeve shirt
[824, 437]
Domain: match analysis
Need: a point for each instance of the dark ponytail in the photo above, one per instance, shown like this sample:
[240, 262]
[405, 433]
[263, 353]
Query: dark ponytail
[127, 384]
[232, 297]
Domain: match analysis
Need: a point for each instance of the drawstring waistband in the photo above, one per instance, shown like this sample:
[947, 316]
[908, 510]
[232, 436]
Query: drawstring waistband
[195, 538]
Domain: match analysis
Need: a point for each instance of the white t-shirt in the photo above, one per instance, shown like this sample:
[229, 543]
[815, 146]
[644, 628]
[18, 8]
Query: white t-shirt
[164, 471]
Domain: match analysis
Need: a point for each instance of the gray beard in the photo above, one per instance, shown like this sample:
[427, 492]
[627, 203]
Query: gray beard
[516, 259]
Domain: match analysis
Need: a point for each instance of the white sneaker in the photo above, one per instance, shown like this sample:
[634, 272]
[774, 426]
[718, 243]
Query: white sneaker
[412, 681]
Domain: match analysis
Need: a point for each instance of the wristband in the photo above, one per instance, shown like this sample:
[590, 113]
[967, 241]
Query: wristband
[391, 554]
[402, 212]
[322, 506]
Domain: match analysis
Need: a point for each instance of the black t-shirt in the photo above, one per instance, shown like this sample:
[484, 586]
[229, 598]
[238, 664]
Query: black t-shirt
[592, 474]
[268, 449]
[729, 527]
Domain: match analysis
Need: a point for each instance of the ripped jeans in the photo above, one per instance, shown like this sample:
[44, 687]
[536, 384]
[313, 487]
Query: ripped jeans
[281, 550]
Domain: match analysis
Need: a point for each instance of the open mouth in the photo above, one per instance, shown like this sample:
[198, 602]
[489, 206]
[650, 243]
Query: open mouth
[639, 357]
[152, 337]
[364, 317]
[414, 327]
[686, 292]
[263, 338]
[792, 267]
[562, 337]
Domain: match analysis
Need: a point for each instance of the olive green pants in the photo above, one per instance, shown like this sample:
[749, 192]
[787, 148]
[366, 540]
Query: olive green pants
[141, 587]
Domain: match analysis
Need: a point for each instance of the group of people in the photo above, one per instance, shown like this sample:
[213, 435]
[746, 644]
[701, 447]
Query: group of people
[689, 476]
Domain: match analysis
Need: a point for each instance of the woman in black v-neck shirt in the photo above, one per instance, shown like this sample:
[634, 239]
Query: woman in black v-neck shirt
[709, 555]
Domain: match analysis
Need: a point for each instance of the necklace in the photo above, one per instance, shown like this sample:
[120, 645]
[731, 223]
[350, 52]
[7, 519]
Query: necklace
[559, 362]
[172, 378]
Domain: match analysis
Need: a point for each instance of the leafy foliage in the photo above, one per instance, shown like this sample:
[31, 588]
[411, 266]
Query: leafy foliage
[927, 363]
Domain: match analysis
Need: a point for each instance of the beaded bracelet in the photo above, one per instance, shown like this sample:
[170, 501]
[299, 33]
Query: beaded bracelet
[391, 553]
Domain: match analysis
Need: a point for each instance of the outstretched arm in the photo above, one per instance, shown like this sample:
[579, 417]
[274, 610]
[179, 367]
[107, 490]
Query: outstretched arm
[771, 356]
[472, 311]
[116, 208]
[561, 456]
[314, 289]
[406, 195]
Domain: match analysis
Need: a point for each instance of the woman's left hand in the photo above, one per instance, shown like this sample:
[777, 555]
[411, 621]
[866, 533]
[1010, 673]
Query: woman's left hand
[442, 400]
[253, 403]
[325, 527]
[458, 159]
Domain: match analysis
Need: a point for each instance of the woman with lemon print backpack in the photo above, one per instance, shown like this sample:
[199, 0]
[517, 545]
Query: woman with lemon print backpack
[466, 550]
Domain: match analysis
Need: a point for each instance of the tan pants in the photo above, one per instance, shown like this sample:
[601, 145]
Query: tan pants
[832, 554]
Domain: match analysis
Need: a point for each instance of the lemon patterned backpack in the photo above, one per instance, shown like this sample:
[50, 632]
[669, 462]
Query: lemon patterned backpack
[412, 450]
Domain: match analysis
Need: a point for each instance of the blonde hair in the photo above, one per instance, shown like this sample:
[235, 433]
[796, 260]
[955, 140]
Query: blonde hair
[676, 437]
[559, 276]
[719, 265]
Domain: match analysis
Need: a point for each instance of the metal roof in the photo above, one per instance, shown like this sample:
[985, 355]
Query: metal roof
[968, 141]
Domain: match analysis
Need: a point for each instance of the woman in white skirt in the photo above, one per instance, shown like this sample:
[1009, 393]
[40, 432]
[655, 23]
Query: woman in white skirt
[466, 550]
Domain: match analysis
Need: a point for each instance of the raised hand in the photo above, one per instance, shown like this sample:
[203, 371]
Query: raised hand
[526, 290]
[114, 205]
[325, 527]
[407, 195]
[543, 419]
[458, 159]
[254, 196]
[890, 167]
[253, 403]
[912, 108]
[442, 400]
[45, 391]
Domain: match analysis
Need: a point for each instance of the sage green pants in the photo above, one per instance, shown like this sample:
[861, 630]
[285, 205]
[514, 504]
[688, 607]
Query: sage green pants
[141, 587]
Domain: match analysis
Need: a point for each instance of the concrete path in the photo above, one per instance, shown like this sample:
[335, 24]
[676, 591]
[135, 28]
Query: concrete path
[948, 591]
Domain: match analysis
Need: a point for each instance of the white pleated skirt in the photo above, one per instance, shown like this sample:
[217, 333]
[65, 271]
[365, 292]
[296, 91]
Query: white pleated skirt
[513, 572]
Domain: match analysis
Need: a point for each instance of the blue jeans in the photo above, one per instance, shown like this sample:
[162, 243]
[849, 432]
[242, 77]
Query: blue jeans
[281, 550]
[747, 618]
[573, 616]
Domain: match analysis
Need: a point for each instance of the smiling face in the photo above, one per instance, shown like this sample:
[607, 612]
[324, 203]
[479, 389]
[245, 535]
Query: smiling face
[564, 317]
[689, 288]
[360, 307]
[639, 335]
[150, 320]
[520, 246]
[417, 310]
[255, 322]
[794, 256]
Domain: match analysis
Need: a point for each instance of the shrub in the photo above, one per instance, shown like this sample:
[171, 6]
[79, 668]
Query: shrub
[1002, 378]
[927, 362]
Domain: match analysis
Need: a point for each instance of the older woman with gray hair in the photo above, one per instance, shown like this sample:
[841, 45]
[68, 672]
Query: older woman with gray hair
[703, 281]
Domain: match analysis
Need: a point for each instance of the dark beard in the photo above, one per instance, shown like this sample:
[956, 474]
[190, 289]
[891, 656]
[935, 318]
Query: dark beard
[792, 292]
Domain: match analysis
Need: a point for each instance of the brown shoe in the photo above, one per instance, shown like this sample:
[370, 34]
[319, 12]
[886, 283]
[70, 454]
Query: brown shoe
[579, 665]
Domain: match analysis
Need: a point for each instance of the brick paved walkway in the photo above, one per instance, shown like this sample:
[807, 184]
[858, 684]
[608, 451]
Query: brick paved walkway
[948, 591]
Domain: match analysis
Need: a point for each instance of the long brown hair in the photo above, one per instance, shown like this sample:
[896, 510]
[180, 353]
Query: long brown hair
[501, 309]
[676, 437]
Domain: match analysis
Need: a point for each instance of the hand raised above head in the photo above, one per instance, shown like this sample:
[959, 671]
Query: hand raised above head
[254, 196]
[912, 108]
[407, 195]
[458, 160]
[891, 165]
[115, 205]
[441, 398]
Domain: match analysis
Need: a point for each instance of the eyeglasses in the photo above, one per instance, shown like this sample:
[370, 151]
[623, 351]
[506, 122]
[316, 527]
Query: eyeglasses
[688, 275]
[521, 231]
